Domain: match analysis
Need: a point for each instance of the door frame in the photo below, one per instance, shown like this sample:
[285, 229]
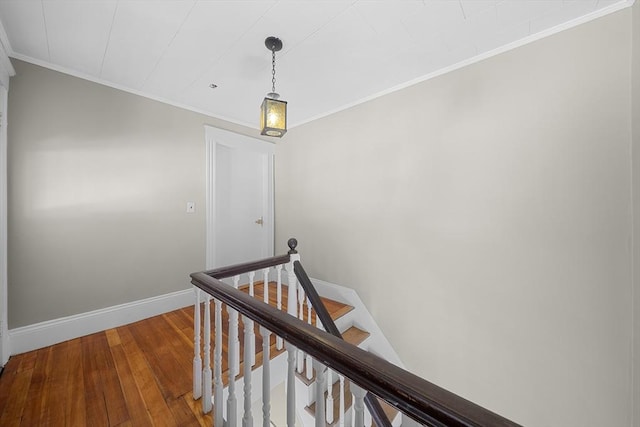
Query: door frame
[213, 137]
[5, 345]
[6, 72]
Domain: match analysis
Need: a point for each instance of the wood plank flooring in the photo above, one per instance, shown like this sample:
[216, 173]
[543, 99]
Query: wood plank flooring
[133, 375]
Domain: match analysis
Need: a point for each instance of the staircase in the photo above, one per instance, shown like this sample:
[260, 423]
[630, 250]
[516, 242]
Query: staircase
[270, 334]
[344, 316]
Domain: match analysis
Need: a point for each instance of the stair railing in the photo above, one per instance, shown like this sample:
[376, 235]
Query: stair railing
[417, 398]
[379, 417]
[209, 385]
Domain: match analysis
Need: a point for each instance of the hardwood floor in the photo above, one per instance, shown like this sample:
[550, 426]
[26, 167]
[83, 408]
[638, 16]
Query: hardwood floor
[133, 375]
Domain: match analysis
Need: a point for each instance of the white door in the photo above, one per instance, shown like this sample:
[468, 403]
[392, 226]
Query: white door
[240, 220]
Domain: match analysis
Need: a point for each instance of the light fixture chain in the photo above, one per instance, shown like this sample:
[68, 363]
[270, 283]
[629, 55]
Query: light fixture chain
[273, 71]
[273, 111]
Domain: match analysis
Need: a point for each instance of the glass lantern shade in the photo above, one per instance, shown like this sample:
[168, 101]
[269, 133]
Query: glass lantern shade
[273, 117]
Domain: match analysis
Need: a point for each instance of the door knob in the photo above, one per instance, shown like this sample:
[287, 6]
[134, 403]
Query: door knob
[259, 221]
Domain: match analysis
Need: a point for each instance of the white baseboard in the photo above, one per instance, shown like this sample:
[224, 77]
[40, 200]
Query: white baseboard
[51, 332]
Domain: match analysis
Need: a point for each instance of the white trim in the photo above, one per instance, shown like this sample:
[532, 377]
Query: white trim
[269, 203]
[227, 138]
[236, 140]
[6, 71]
[532, 38]
[107, 83]
[5, 347]
[51, 332]
[6, 68]
[210, 200]
[481, 57]
[4, 40]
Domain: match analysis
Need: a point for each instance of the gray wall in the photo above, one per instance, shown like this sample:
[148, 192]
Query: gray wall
[98, 182]
[484, 217]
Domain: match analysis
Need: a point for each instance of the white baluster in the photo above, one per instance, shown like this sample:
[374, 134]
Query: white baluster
[358, 405]
[309, 362]
[247, 419]
[265, 281]
[197, 361]
[236, 336]
[368, 419]
[292, 299]
[279, 340]
[301, 355]
[206, 372]
[291, 385]
[301, 299]
[329, 396]
[266, 378]
[249, 324]
[234, 356]
[291, 350]
[341, 423]
[218, 401]
[320, 386]
[252, 275]
[266, 362]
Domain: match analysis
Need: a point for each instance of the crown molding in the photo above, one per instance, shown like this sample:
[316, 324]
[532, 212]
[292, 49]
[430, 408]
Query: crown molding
[103, 82]
[6, 68]
[6, 64]
[481, 57]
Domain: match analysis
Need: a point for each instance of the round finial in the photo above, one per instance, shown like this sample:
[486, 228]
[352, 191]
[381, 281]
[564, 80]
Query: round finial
[292, 245]
[272, 43]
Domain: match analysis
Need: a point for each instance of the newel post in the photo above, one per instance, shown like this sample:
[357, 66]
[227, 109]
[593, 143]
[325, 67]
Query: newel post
[291, 350]
[292, 298]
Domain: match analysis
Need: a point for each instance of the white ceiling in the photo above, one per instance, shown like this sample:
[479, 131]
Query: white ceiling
[336, 53]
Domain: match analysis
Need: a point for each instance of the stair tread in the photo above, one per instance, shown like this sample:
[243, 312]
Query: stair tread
[335, 308]
[389, 410]
[335, 390]
[355, 335]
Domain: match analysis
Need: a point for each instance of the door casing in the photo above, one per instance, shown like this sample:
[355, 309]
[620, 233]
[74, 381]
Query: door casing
[213, 138]
[5, 350]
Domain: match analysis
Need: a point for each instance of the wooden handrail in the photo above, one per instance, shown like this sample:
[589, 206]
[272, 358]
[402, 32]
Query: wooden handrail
[378, 415]
[316, 302]
[421, 400]
[233, 270]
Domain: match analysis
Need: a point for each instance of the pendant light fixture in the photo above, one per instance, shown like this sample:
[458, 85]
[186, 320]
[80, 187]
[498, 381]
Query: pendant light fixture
[273, 111]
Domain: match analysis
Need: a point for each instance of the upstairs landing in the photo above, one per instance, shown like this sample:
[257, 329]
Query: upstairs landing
[134, 375]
